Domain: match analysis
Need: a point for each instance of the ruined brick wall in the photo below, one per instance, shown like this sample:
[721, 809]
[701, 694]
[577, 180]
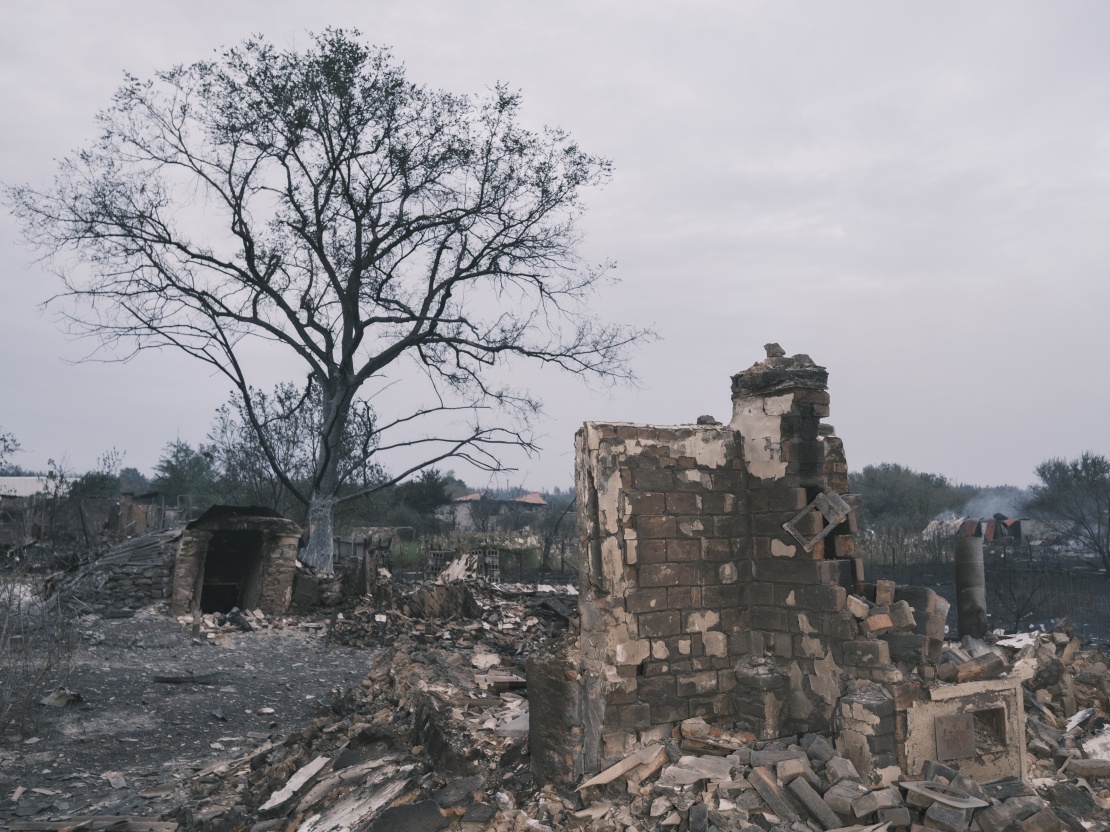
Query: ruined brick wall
[695, 600]
[718, 579]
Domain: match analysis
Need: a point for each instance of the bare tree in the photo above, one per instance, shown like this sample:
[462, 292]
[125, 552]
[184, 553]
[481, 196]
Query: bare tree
[377, 231]
[1073, 500]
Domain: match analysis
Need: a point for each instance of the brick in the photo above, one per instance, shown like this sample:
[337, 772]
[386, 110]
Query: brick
[876, 625]
[838, 769]
[811, 800]
[649, 526]
[683, 550]
[872, 802]
[906, 647]
[721, 596]
[867, 653]
[718, 549]
[718, 503]
[668, 574]
[681, 502]
[653, 479]
[843, 545]
[769, 618]
[1089, 768]
[727, 526]
[884, 592]
[1043, 821]
[995, 818]
[646, 600]
[901, 613]
[946, 818]
[787, 770]
[836, 571]
[788, 499]
[841, 625]
[921, 598]
[778, 800]
[897, 816]
[858, 607]
[821, 749]
[841, 796]
[684, 597]
[826, 598]
[659, 624]
[669, 711]
[635, 717]
[697, 683]
[651, 551]
[646, 502]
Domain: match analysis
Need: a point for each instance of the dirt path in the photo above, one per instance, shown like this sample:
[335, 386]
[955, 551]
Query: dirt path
[129, 734]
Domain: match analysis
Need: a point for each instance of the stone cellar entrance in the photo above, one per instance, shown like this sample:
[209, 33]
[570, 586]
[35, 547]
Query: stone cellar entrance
[232, 571]
[236, 556]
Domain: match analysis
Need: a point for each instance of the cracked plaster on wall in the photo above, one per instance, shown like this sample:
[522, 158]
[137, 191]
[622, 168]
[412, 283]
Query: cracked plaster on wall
[759, 422]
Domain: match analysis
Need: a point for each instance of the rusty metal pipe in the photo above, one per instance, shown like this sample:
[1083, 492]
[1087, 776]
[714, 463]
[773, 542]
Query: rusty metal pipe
[971, 587]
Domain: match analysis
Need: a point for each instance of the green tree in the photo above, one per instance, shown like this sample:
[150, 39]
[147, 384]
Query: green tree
[404, 245]
[895, 496]
[1073, 499]
[425, 493]
[132, 481]
[102, 481]
[185, 472]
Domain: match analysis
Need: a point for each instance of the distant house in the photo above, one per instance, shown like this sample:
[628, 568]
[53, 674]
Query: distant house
[478, 511]
[23, 487]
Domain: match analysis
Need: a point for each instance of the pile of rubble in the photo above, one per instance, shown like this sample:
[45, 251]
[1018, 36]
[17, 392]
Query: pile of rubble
[508, 619]
[436, 738]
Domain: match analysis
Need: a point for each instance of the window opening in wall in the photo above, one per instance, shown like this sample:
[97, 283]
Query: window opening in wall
[232, 571]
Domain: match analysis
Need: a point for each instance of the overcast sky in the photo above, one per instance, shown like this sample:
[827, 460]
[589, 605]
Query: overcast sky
[917, 195]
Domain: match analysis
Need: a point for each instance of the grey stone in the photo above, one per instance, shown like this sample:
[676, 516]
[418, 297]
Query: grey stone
[945, 818]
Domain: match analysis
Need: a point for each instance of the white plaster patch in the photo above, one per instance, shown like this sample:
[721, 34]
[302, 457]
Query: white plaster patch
[612, 567]
[630, 552]
[700, 622]
[805, 626]
[630, 652]
[708, 448]
[715, 643]
[782, 550]
[825, 681]
[759, 422]
[695, 475]
[690, 527]
[659, 650]
[790, 602]
[684, 646]
[728, 573]
[812, 647]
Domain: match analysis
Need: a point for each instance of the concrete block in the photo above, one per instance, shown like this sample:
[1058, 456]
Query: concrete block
[813, 803]
[841, 796]
[872, 802]
[838, 769]
[884, 592]
[857, 607]
[945, 818]
[778, 800]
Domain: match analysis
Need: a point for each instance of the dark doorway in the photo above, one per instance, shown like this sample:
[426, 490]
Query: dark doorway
[232, 571]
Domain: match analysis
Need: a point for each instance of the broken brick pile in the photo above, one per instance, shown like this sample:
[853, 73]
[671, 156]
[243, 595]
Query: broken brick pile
[719, 580]
[128, 577]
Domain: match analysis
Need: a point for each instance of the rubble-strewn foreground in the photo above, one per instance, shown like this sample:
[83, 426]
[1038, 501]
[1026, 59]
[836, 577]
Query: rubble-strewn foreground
[723, 665]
